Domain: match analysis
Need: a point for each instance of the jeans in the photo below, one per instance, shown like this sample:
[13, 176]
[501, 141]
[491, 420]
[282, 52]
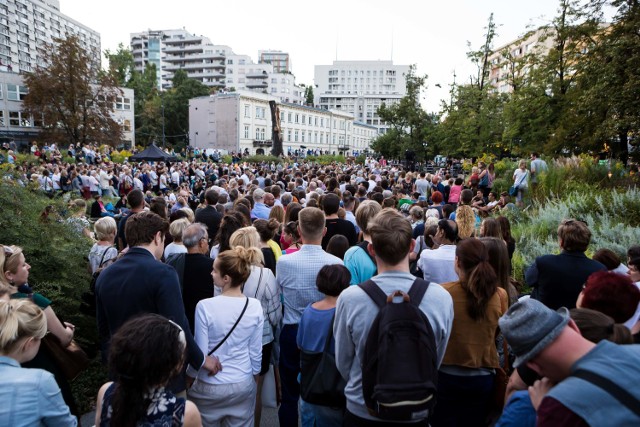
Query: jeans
[307, 414]
[325, 416]
[462, 400]
[289, 370]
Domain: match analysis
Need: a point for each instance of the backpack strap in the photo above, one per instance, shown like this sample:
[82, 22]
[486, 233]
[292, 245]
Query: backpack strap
[231, 330]
[374, 292]
[614, 390]
[364, 245]
[417, 291]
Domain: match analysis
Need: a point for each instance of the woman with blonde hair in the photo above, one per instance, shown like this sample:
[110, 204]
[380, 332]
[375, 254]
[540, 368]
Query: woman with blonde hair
[103, 251]
[466, 220]
[14, 278]
[29, 396]
[262, 286]
[520, 178]
[176, 228]
[230, 327]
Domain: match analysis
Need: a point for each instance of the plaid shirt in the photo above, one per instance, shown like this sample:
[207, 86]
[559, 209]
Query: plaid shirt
[296, 276]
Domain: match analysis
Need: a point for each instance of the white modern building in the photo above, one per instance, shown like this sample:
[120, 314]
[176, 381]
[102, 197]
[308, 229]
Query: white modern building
[173, 50]
[27, 26]
[360, 88]
[244, 74]
[280, 60]
[241, 122]
[17, 126]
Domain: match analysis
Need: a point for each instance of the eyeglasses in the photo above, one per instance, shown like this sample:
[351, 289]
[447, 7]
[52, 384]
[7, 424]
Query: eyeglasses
[7, 251]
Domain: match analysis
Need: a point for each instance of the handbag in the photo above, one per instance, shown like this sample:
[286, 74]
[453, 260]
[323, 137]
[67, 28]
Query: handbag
[513, 190]
[71, 360]
[231, 330]
[320, 380]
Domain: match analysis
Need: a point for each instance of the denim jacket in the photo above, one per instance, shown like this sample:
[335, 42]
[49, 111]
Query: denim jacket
[31, 397]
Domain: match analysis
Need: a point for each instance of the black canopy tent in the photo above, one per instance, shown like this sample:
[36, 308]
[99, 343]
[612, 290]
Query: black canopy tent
[153, 153]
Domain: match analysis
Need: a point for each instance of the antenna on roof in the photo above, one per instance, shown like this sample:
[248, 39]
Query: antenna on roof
[391, 44]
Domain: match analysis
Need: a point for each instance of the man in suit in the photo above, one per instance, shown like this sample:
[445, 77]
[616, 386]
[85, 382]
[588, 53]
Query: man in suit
[209, 215]
[557, 280]
[138, 283]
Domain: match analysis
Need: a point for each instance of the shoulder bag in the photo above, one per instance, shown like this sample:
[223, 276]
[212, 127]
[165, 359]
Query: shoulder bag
[320, 380]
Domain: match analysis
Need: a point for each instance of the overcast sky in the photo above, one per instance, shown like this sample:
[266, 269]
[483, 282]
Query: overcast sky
[431, 34]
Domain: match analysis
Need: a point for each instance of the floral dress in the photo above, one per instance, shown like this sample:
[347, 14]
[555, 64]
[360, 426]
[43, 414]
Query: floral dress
[165, 409]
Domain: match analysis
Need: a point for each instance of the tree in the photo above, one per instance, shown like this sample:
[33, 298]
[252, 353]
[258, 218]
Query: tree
[408, 121]
[308, 95]
[147, 104]
[72, 96]
[176, 105]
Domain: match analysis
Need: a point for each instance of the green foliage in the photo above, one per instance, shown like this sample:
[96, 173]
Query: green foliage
[308, 95]
[59, 267]
[227, 158]
[326, 159]
[361, 159]
[259, 158]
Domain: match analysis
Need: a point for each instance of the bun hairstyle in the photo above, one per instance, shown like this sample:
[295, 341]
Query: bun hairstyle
[20, 318]
[236, 263]
[144, 354]
[480, 280]
[266, 228]
[597, 326]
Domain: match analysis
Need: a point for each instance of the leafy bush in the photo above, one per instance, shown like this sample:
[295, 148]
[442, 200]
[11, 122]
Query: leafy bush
[57, 255]
[361, 159]
[262, 159]
[120, 156]
[326, 159]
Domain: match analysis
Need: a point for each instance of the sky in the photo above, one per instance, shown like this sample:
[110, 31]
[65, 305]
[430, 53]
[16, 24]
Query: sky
[431, 34]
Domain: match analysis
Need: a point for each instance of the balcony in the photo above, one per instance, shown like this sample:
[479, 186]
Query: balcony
[258, 75]
[260, 143]
[343, 147]
[186, 48]
[257, 85]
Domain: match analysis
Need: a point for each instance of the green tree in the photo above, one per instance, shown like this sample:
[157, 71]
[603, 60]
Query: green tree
[608, 106]
[147, 105]
[71, 97]
[176, 105]
[308, 95]
[409, 123]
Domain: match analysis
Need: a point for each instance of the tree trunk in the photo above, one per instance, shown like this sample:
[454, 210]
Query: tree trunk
[276, 133]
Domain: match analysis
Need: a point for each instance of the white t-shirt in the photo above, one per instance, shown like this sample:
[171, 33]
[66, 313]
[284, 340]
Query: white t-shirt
[520, 178]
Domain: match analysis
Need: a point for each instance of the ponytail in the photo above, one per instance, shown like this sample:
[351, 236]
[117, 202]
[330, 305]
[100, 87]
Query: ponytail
[479, 279]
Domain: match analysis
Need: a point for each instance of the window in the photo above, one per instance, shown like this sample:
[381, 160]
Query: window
[127, 126]
[289, 118]
[246, 131]
[230, 61]
[281, 117]
[247, 111]
[297, 121]
[258, 133]
[260, 112]
[289, 135]
[123, 104]
[302, 136]
[2, 118]
[262, 134]
[16, 93]
[296, 136]
[17, 118]
[304, 119]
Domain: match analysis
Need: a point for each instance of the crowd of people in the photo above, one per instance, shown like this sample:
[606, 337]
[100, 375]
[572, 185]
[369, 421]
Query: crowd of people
[209, 277]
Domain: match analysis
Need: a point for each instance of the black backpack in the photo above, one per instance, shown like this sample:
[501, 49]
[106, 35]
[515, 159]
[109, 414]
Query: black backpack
[400, 363]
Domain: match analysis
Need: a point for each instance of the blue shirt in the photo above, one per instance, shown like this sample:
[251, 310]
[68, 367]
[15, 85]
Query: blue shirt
[31, 397]
[296, 276]
[314, 329]
[359, 264]
[260, 211]
[518, 412]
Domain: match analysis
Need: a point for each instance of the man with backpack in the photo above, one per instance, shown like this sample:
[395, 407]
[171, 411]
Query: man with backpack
[403, 372]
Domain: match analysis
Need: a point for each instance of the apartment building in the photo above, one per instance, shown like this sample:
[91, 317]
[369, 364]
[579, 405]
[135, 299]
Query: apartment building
[241, 122]
[16, 125]
[359, 88]
[244, 74]
[280, 60]
[505, 59]
[26, 26]
[173, 50]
